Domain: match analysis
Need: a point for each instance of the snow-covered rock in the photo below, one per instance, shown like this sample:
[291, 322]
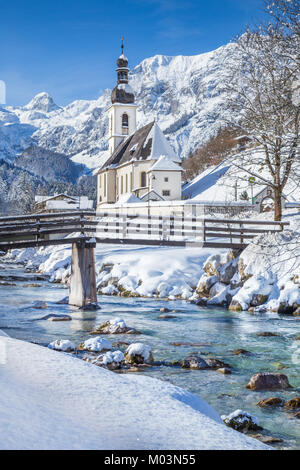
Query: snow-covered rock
[111, 360]
[96, 344]
[138, 353]
[62, 345]
[241, 421]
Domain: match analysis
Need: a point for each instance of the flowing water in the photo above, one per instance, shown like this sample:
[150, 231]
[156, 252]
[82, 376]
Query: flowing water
[218, 331]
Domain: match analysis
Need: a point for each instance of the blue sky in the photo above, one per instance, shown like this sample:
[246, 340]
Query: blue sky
[69, 47]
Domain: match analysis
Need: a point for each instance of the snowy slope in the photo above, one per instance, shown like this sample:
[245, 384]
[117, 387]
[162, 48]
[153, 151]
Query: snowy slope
[52, 400]
[181, 93]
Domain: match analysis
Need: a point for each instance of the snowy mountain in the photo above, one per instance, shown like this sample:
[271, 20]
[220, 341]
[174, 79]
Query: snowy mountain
[181, 93]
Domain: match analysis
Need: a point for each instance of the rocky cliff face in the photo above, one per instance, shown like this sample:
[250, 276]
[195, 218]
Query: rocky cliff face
[184, 94]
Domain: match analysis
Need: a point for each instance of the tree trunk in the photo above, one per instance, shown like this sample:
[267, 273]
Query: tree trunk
[277, 205]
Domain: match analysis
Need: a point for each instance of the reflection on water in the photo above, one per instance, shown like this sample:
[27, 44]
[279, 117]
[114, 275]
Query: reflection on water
[218, 331]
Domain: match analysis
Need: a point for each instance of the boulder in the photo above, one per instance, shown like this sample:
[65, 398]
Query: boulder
[224, 370]
[63, 301]
[235, 306]
[165, 310]
[266, 334]
[216, 289]
[166, 317]
[214, 363]
[54, 317]
[293, 404]
[268, 381]
[296, 312]
[205, 284]
[258, 299]
[266, 439]
[242, 268]
[40, 304]
[138, 353]
[297, 415]
[241, 421]
[194, 362]
[239, 352]
[271, 402]
[212, 264]
[227, 271]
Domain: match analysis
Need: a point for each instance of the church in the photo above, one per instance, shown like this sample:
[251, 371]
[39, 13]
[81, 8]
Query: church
[142, 165]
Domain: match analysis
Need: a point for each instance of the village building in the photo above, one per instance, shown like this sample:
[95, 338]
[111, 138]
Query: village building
[142, 165]
[61, 203]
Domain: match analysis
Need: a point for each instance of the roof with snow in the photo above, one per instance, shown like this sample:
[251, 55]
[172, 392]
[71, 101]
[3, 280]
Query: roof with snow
[165, 164]
[127, 198]
[147, 143]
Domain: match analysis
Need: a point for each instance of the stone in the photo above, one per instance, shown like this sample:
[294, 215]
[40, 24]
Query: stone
[241, 421]
[224, 370]
[115, 326]
[214, 363]
[217, 289]
[40, 305]
[296, 313]
[166, 317]
[297, 338]
[138, 353]
[63, 301]
[258, 299]
[293, 404]
[227, 271]
[272, 402]
[212, 264]
[165, 310]
[268, 381]
[266, 439]
[242, 268]
[235, 306]
[7, 283]
[239, 352]
[54, 317]
[194, 362]
[62, 345]
[205, 284]
[32, 285]
[266, 334]
[297, 415]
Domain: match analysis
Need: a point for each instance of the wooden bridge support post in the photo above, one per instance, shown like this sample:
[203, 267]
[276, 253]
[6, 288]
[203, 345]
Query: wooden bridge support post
[83, 277]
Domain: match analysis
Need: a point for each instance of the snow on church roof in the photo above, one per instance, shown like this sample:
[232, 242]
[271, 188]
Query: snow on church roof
[147, 143]
[165, 164]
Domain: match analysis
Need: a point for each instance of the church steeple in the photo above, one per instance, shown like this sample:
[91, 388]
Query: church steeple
[122, 93]
[122, 112]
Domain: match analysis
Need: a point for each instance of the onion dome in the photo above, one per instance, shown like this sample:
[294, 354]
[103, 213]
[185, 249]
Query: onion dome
[123, 92]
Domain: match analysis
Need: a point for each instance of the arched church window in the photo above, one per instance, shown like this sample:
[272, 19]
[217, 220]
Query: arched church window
[125, 120]
[143, 179]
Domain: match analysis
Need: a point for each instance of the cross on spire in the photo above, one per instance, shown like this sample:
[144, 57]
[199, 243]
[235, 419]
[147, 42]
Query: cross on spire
[122, 45]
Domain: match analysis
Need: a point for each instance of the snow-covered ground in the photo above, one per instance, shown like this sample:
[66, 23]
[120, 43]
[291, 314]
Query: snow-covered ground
[52, 400]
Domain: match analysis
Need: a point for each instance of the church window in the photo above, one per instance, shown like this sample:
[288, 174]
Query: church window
[122, 184]
[125, 120]
[143, 179]
[131, 182]
[166, 179]
[166, 192]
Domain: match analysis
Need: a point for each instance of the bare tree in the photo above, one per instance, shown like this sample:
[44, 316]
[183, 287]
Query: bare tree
[262, 86]
[286, 13]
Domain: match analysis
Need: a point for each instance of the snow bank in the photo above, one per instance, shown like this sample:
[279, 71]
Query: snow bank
[67, 403]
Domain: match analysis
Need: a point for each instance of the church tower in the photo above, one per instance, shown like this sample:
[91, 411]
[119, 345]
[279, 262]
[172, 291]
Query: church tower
[122, 112]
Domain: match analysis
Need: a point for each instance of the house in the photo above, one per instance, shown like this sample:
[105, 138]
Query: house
[142, 163]
[62, 203]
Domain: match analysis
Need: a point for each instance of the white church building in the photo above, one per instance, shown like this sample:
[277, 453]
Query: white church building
[142, 165]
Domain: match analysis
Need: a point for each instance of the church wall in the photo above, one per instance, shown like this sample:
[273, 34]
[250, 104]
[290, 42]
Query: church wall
[116, 130]
[173, 184]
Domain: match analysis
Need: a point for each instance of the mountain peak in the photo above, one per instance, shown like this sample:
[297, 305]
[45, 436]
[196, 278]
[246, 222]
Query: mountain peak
[42, 102]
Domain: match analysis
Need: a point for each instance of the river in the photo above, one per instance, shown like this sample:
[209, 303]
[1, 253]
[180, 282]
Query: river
[219, 332]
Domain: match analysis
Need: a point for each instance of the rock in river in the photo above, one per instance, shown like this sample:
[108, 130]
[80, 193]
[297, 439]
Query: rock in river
[241, 421]
[272, 402]
[268, 381]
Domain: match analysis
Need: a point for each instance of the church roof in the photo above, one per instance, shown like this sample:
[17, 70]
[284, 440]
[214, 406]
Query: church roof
[165, 164]
[147, 143]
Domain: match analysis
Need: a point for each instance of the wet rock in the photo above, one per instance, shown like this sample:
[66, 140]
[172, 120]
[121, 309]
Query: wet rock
[111, 360]
[201, 302]
[214, 363]
[241, 421]
[239, 352]
[266, 334]
[63, 301]
[166, 317]
[266, 439]
[297, 415]
[40, 305]
[296, 313]
[165, 310]
[224, 370]
[293, 404]
[268, 381]
[54, 317]
[271, 402]
[7, 283]
[32, 285]
[196, 345]
[235, 306]
[285, 308]
[91, 306]
[297, 338]
[138, 353]
[119, 344]
[194, 362]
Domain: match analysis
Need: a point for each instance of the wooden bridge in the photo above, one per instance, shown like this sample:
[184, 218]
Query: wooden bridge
[83, 230]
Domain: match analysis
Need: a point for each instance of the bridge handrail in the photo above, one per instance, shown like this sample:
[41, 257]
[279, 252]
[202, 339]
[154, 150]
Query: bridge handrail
[50, 215]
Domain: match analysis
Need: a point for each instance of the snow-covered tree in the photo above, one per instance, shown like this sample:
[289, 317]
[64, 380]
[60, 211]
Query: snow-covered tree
[263, 87]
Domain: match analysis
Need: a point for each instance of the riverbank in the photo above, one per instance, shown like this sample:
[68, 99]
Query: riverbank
[51, 400]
